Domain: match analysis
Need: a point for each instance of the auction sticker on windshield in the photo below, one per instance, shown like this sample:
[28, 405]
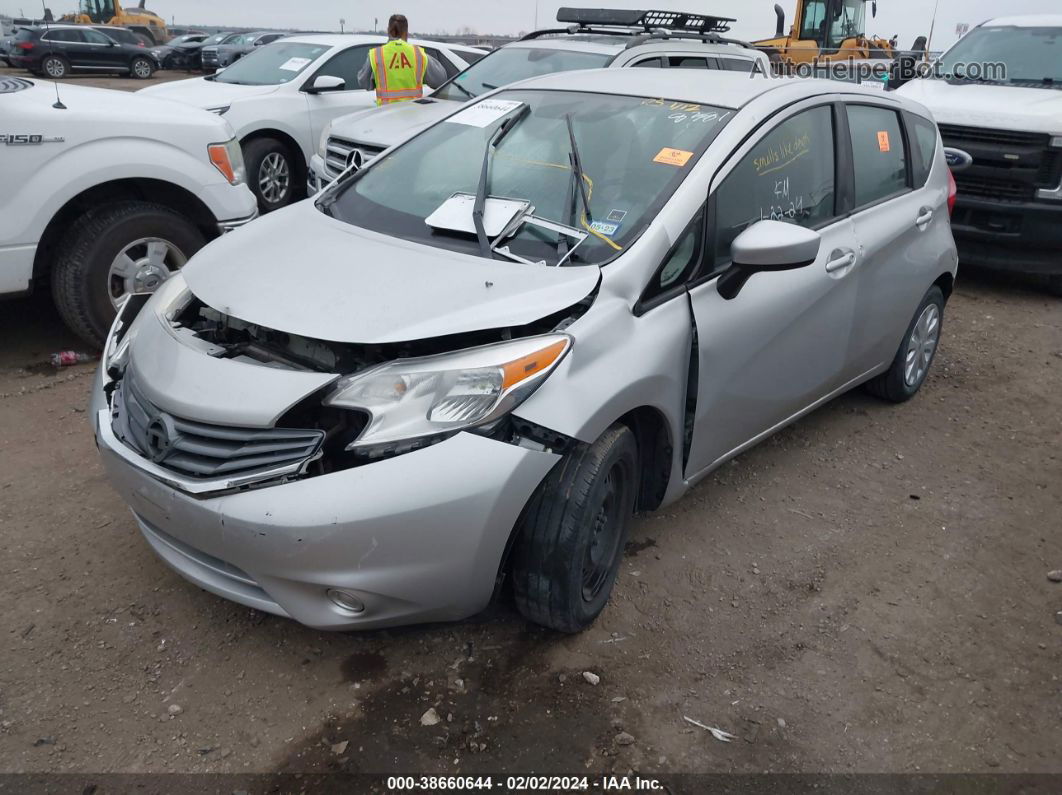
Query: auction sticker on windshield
[673, 157]
[485, 113]
[294, 64]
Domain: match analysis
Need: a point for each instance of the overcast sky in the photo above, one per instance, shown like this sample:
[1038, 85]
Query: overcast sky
[908, 18]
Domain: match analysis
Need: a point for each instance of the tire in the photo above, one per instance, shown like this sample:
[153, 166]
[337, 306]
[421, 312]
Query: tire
[55, 67]
[262, 156]
[141, 68]
[584, 506]
[898, 383]
[83, 285]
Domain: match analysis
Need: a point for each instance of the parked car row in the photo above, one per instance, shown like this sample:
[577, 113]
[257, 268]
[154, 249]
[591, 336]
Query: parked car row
[56, 51]
[590, 268]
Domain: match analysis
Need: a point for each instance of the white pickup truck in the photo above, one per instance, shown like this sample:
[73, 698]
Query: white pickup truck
[107, 194]
[997, 96]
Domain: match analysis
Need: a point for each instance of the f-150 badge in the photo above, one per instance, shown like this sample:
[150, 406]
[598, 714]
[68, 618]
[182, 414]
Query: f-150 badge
[27, 140]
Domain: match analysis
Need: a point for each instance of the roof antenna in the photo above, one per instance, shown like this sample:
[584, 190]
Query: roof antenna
[58, 102]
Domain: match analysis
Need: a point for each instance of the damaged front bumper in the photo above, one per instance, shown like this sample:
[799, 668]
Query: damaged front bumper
[415, 538]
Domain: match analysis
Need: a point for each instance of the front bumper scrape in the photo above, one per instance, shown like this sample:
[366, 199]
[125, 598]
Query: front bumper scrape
[417, 538]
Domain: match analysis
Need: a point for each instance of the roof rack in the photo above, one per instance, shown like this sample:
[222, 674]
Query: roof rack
[618, 21]
[706, 38]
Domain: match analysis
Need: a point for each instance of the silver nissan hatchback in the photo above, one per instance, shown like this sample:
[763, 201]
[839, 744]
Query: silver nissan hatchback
[468, 365]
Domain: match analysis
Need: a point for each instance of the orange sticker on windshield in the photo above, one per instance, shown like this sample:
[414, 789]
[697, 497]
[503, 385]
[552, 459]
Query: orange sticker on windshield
[883, 141]
[673, 157]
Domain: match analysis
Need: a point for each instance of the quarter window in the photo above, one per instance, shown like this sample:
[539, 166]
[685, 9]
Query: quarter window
[787, 176]
[879, 156]
[925, 137]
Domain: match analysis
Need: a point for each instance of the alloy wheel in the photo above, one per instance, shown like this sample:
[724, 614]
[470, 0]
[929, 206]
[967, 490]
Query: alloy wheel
[274, 177]
[142, 69]
[921, 345]
[54, 67]
[142, 267]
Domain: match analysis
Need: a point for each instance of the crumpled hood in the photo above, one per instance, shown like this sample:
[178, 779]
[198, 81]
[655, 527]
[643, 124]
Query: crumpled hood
[995, 107]
[300, 271]
[204, 93]
[390, 124]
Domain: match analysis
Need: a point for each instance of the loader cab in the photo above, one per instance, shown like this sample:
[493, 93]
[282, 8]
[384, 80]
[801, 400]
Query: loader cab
[830, 23]
[99, 11]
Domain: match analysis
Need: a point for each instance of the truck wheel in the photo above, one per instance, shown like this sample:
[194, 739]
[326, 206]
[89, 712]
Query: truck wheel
[271, 173]
[141, 68]
[571, 538]
[909, 369]
[130, 247]
[55, 67]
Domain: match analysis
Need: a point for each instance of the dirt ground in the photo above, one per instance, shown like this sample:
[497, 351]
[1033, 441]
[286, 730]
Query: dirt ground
[865, 592]
[105, 81]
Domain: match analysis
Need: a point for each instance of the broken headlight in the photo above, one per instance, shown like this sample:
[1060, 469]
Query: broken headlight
[415, 398]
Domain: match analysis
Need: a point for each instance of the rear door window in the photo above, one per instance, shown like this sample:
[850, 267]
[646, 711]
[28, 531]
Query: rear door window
[879, 154]
[68, 36]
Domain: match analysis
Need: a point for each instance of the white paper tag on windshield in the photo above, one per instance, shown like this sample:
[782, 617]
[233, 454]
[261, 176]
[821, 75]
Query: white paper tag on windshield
[294, 64]
[485, 113]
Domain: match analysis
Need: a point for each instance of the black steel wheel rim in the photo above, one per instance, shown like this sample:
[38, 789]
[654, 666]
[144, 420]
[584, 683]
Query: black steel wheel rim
[606, 532]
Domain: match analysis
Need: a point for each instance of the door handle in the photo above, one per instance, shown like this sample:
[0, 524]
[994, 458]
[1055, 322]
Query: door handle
[925, 217]
[841, 262]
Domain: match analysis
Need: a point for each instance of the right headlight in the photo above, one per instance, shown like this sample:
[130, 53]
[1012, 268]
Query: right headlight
[415, 398]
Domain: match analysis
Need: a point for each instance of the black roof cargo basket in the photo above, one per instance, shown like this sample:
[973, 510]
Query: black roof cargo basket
[629, 22]
[646, 20]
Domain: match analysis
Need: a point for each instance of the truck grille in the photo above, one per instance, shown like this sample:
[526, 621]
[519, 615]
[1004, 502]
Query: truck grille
[200, 450]
[341, 153]
[1009, 166]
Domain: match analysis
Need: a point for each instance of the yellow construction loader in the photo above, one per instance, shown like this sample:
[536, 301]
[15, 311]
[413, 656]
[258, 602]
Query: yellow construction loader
[828, 30]
[110, 12]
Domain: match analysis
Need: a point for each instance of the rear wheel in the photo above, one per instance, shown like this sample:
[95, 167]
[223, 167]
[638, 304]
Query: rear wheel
[55, 67]
[571, 536]
[141, 68]
[271, 170]
[914, 358]
[130, 247]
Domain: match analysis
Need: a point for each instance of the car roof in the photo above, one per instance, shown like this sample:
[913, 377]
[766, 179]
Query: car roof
[715, 87]
[345, 40]
[1026, 21]
[578, 42]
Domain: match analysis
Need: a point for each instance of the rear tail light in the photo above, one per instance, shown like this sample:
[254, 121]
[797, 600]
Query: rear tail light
[953, 191]
[26, 45]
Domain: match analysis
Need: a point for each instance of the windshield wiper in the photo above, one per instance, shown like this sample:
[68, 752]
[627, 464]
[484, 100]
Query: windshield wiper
[484, 174]
[577, 167]
[463, 90]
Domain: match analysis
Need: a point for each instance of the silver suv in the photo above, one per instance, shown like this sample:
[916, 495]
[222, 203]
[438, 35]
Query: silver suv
[469, 363]
[594, 38]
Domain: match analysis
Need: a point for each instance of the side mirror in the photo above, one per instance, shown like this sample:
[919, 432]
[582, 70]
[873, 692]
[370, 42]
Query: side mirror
[323, 83]
[767, 246]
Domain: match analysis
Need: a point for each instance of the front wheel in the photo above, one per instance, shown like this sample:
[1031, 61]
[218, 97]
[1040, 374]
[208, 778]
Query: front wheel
[571, 535]
[111, 252]
[909, 369]
[142, 68]
[271, 173]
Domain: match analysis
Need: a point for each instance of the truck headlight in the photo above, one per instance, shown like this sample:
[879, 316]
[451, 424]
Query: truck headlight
[414, 398]
[228, 159]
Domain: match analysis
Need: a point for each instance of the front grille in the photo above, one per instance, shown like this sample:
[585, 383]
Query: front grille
[993, 188]
[1008, 166]
[955, 135]
[210, 57]
[341, 153]
[200, 450]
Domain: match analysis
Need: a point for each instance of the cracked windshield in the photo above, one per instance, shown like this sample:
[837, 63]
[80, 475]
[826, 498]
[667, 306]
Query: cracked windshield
[631, 153]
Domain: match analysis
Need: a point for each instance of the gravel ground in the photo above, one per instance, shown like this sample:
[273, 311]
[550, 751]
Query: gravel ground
[865, 592]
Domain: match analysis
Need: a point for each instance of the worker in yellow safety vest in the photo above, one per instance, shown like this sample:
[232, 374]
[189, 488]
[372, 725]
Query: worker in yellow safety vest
[398, 70]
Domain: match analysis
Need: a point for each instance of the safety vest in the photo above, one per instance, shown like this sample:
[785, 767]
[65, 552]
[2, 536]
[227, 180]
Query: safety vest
[398, 68]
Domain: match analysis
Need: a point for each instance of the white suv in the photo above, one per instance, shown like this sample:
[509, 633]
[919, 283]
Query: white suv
[107, 194]
[280, 97]
[594, 39]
